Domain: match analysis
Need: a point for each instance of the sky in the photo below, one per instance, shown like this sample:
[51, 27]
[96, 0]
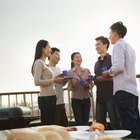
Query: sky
[71, 25]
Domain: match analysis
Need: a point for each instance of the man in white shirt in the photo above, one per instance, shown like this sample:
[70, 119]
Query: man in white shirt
[60, 117]
[124, 78]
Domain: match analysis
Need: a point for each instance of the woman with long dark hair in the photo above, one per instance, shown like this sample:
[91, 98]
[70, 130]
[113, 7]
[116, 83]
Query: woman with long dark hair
[80, 90]
[43, 77]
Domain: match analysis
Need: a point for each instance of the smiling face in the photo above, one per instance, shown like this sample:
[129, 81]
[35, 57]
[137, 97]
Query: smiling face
[46, 51]
[55, 57]
[100, 47]
[113, 37]
[77, 59]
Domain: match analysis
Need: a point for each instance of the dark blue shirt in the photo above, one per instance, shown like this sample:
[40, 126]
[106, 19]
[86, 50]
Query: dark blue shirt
[105, 88]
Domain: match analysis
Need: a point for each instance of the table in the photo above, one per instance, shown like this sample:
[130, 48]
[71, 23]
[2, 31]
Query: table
[5, 133]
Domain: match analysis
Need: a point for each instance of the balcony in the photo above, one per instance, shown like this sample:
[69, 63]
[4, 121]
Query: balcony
[26, 102]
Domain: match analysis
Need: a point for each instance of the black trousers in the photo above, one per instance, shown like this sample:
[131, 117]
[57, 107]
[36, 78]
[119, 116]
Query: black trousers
[137, 104]
[127, 108]
[101, 113]
[81, 110]
[60, 117]
[47, 107]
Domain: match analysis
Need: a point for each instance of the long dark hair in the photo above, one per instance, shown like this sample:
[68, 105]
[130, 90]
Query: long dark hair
[38, 51]
[72, 57]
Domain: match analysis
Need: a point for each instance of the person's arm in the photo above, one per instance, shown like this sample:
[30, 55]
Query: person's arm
[38, 67]
[102, 78]
[109, 78]
[59, 79]
[90, 83]
[72, 84]
[87, 83]
[75, 82]
[118, 60]
[64, 82]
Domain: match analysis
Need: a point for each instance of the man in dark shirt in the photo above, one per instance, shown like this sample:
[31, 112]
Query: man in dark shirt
[105, 102]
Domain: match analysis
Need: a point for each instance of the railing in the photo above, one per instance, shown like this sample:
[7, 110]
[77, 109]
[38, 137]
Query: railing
[32, 103]
[23, 102]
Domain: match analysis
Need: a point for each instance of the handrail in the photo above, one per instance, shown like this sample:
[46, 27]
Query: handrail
[9, 94]
[31, 93]
[13, 93]
[32, 101]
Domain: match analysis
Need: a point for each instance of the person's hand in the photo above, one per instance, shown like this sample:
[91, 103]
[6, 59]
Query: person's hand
[90, 76]
[75, 81]
[105, 73]
[85, 84]
[59, 80]
[100, 78]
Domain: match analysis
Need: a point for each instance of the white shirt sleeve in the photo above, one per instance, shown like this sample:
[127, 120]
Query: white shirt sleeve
[118, 60]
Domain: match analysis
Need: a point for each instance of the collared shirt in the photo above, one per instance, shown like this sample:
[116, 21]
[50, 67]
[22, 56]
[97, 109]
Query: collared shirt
[123, 67]
[79, 91]
[58, 87]
[104, 89]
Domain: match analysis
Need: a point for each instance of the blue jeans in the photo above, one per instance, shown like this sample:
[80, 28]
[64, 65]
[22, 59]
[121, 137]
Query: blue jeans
[81, 110]
[101, 112]
[127, 106]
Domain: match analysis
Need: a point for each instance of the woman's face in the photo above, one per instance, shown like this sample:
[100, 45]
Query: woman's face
[77, 60]
[46, 51]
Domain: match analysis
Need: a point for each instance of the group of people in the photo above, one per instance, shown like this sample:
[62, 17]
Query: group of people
[116, 86]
